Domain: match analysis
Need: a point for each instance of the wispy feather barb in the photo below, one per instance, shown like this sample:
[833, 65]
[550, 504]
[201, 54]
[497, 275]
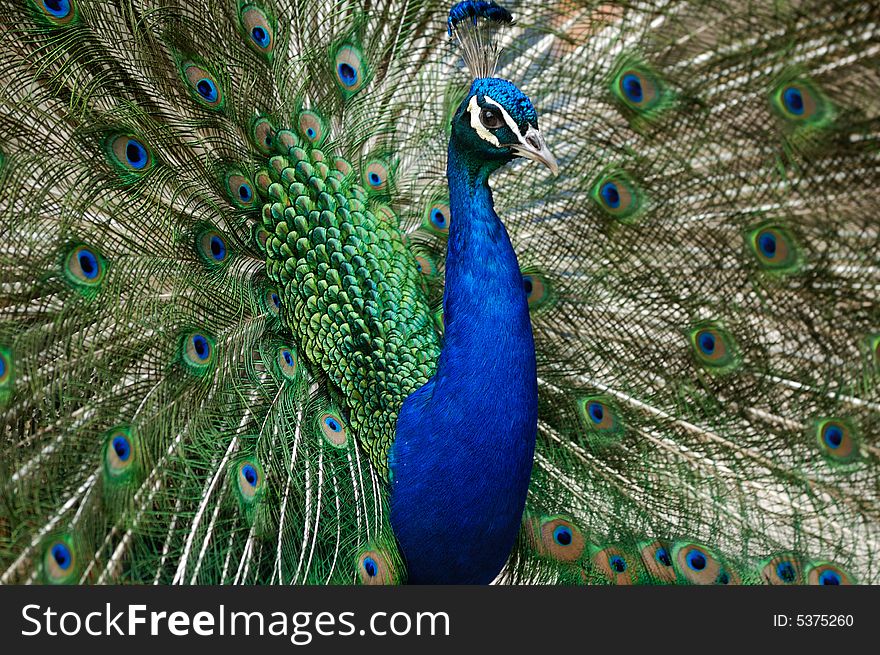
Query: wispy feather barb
[222, 268]
[478, 38]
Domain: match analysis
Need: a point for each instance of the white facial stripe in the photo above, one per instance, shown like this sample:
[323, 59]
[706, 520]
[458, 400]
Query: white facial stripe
[485, 134]
[474, 110]
[507, 118]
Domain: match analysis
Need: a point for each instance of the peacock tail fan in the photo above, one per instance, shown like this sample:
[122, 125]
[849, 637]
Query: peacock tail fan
[222, 254]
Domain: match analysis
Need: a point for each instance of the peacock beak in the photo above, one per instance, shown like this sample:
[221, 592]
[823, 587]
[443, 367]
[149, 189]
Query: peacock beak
[533, 147]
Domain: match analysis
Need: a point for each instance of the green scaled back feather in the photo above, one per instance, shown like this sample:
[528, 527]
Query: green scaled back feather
[224, 227]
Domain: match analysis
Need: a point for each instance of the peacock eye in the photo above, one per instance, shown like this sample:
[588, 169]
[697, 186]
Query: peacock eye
[491, 119]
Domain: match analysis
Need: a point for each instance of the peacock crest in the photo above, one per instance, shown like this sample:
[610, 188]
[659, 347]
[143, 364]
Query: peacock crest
[232, 250]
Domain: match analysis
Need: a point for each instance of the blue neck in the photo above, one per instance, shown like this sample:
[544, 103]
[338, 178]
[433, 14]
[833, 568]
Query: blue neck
[462, 457]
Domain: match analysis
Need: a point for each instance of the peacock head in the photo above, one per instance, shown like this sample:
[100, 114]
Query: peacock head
[495, 123]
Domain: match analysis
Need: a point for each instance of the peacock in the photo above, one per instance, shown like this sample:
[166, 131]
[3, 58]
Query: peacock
[384, 291]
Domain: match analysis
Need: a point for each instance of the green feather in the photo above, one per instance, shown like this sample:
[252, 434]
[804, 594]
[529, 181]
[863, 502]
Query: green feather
[213, 222]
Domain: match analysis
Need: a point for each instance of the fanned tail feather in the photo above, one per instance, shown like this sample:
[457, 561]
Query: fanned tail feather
[702, 277]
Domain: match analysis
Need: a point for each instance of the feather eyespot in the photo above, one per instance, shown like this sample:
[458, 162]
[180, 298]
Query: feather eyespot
[207, 89]
[662, 556]
[631, 86]
[263, 134]
[767, 244]
[785, 572]
[537, 289]
[697, 565]
[333, 429]
[556, 537]
[837, 439]
[287, 363]
[695, 559]
[249, 473]
[617, 196]
[707, 342]
[58, 8]
[616, 565]
[774, 248]
[562, 535]
[425, 266]
[203, 85]
[240, 190]
[217, 248]
[261, 36]
[121, 448]
[610, 193]
[62, 556]
[600, 418]
[374, 568]
[197, 352]
[348, 77]
[724, 578]
[129, 155]
[714, 348]
[211, 247]
[827, 573]
[657, 559]
[829, 578]
[350, 68]
[287, 142]
[436, 218]
[793, 100]
[259, 29]
[249, 480]
[311, 126]
[638, 89]
[5, 367]
[799, 102]
[783, 569]
[84, 267]
[135, 154]
[120, 452]
[272, 301]
[376, 175]
[59, 561]
[60, 12]
[199, 348]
